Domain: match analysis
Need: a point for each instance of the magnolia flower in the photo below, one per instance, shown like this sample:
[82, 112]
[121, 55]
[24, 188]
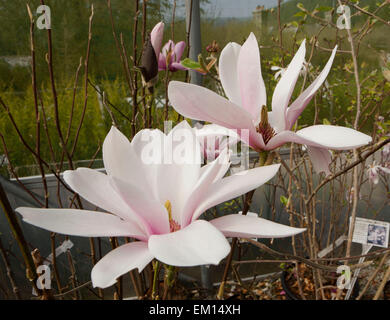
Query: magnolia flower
[373, 172]
[155, 190]
[214, 139]
[170, 56]
[245, 109]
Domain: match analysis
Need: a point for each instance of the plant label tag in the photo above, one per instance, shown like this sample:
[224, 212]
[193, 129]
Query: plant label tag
[371, 232]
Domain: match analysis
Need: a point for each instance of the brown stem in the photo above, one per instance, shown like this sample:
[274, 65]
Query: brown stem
[135, 75]
[372, 277]
[86, 64]
[10, 274]
[19, 237]
[265, 159]
[382, 285]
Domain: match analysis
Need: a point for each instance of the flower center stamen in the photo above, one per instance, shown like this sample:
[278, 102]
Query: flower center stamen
[173, 225]
[264, 128]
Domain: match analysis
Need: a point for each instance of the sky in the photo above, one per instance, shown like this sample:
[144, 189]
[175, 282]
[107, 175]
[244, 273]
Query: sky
[235, 8]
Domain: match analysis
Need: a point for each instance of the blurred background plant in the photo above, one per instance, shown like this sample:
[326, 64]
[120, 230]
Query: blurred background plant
[299, 19]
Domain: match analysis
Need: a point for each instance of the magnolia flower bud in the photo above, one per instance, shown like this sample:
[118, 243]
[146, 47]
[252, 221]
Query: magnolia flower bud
[149, 66]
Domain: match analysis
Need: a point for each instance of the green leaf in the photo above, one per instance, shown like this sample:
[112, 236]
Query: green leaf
[300, 6]
[190, 64]
[326, 121]
[295, 24]
[300, 14]
[283, 200]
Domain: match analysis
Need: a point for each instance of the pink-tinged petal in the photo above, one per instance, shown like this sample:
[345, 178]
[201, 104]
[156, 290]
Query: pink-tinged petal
[237, 225]
[95, 187]
[148, 145]
[121, 161]
[145, 138]
[222, 170]
[289, 136]
[179, 49]
[198, 244]
[82, 223]
[322, 136]
[273, 119]
[216, 168]
[296, 108]
[252, 87]
[373, 174]
[320, 158]
[151, 212]
[228, 142]
[285, 87]
[177, 66]
[169, 46]
[235, 185]
[179, 172]
[335, 137]
[214, 138]
[134, 255]
[228, 72]
[384, 169]
[215, 130]
[162, 63]
[200, 103]
[156, 37]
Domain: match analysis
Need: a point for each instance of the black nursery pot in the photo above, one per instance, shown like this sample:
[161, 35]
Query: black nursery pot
[292, 296]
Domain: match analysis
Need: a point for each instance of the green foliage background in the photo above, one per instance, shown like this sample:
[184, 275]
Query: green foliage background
[70, 28]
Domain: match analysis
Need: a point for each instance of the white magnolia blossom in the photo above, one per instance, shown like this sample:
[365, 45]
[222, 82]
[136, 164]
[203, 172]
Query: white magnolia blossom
[154, 191]
[374, 170]
[245, 109]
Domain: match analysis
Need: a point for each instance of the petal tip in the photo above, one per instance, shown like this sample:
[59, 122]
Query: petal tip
[21, 210]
